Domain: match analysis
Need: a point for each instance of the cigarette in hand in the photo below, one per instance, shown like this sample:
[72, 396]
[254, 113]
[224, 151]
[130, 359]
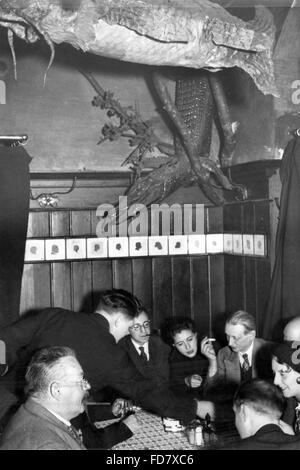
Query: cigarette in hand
[211, 339]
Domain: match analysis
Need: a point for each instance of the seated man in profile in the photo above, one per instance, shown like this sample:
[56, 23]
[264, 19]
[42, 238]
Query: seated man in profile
[244, 358]
[258, 407]
[56, 391]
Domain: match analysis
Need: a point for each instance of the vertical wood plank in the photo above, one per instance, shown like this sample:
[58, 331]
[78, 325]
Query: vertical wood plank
[35, 293]
[250, 285]
[162, 290]
[61, 285]
[82, 286]
[142, 281]
[234, 283]
[38, 225]
[122, 274]
[181, 286]
[61, 272]
[81, 271]
[199, 294]
[81, 224]
[263, 273]
[60, 224]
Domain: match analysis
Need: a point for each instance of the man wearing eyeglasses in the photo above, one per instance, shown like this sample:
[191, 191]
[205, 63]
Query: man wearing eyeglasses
[146, 351]
[57, 392]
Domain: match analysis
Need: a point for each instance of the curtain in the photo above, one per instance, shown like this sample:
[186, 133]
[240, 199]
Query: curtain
[284, 298]
[14, 209]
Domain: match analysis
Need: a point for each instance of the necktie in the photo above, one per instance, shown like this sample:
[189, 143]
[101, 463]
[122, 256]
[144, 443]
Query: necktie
[246, 373]
[76, 434]
[297, 422]
[246, 364]
[143, 355]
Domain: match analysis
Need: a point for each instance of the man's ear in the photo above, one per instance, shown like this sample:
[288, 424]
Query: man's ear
[54, 390]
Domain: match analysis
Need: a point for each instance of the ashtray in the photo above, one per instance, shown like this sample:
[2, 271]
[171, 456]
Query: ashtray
[172, 425]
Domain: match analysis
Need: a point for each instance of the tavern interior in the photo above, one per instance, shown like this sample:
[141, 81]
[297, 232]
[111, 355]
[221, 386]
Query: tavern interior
[64, 128]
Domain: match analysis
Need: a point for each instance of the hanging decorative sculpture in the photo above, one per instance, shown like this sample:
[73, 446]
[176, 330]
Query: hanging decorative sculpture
[200, 36]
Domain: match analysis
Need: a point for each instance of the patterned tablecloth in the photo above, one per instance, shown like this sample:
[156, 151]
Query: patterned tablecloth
[151, 435]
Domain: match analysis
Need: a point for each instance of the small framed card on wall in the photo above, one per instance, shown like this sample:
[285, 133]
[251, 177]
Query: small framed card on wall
[34, 250]
[118, 247]
[76, 248]
[55, 249]
[138, 246]
[97, 247]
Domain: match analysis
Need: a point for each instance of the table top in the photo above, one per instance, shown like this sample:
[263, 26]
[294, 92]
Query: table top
[152, 436]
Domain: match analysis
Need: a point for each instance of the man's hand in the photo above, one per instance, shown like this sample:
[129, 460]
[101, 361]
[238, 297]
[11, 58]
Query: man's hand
[193, 381]
[121, 407]
[132, 423]
[207, 349]
[204, 407]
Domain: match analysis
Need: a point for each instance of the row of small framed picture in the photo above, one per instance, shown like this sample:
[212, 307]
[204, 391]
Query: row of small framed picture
[56, 249]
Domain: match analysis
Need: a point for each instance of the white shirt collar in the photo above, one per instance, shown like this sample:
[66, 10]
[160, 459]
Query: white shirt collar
[60, 418]
[145, 346]
[248, 352]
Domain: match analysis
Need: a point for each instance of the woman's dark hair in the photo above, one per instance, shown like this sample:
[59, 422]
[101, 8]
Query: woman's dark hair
[173, 325]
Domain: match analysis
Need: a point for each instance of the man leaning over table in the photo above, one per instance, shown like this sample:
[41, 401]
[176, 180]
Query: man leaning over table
[94, 338]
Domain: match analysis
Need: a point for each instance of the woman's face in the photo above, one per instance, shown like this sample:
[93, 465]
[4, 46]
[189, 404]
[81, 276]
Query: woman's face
[186, 343]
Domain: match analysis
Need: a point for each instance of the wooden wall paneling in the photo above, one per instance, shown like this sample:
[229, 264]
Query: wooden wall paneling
[162, 290]
[234, 283]
[142, 281]
[122, 274]
[200, 293]
[262, 217]
[181, 286]
[215, 265]
[263, 275]
[250, 304]
[81, 286]
[102, 278]
[263, 265]
[248, 226]
[234, 266]
[59, 223]
[35, 287]
[60, 271]
[81, 271]
[232, 218]
[81, 223]
[38, 224]
[36, 280]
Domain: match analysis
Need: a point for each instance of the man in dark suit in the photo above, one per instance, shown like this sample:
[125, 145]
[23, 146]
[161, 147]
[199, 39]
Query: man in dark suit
[147, 352]
[258, 406]
[56, 391]
[244, 358]
[94, 338]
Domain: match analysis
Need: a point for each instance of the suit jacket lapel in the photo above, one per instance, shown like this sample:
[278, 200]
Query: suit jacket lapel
[134, 356]
[233, 367]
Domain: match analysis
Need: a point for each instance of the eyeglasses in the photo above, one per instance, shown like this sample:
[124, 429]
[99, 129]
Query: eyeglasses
[83, 383]
[139, 326]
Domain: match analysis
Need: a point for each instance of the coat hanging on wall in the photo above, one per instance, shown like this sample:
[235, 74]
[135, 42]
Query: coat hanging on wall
[14, 209]
[284, 298]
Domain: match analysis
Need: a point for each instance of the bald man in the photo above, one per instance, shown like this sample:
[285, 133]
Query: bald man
[291, 331]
